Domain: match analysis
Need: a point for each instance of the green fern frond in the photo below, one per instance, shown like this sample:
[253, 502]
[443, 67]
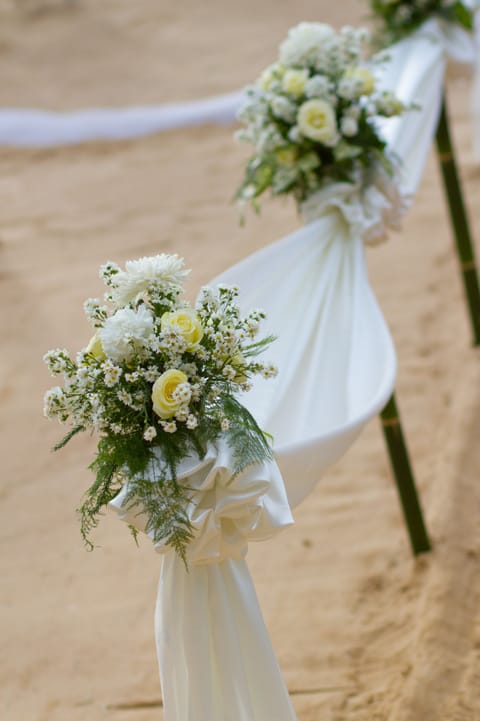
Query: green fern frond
[68, 437]
[246, 439]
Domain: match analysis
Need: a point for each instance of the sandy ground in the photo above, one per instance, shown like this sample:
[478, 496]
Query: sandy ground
[362, 631]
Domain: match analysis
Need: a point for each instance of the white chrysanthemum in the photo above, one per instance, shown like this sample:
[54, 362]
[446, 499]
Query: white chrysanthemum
[54, 402]
[192, 422]
[349, 127]
[139, 275]
[304, 44]
[182, 393]
[284, 109]
[125, 332]
[317, 87]
[150, 433]
[111, 374]
[269, 370]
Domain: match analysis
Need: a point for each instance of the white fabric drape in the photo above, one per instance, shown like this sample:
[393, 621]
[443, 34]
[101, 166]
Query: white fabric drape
[215, 657]
[334, 351]
[42, 128]
[416, 72]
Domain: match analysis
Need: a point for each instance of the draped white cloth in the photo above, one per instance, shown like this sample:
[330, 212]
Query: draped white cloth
[42, 128]
[337, 370]
[215, 656]
[334, 351]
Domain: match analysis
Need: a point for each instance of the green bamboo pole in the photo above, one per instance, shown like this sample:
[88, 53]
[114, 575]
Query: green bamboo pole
[400, 462]
[459, 220]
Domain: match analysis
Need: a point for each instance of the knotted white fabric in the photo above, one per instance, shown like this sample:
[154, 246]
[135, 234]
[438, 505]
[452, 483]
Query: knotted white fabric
[369, 210]
[215, 657]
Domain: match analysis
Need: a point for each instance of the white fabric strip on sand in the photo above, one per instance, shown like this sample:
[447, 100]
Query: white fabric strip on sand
[38, 128]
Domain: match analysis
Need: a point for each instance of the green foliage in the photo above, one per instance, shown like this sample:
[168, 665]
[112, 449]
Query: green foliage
[404, 17]
[164, 502]
[245, 438]
[68, 437]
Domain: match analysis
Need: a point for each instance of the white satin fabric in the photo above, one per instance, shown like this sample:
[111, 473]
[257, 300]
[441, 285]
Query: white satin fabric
[416, 72]
[226, 511]
[369, 211]
[215, 657]
[43, 128]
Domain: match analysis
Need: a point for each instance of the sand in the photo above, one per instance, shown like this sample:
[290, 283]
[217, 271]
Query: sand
[362, 631]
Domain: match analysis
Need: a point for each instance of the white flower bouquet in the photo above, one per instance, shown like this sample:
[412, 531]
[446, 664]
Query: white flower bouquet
[158, 382]
[402, 17]
[311, 116]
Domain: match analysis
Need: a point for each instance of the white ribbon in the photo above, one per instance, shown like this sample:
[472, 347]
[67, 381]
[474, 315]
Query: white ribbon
[215, 657]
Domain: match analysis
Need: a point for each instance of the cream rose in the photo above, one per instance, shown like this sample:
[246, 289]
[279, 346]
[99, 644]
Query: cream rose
[95, 347]
[187, 323]
[294, 82]
[316, 120]
[364, 78]
[269, 75]
[164, 403]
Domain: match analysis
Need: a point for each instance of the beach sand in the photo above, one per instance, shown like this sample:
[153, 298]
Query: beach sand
[363, 632]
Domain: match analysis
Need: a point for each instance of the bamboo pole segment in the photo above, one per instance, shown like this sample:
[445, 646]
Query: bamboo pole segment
[400, 462]
[459, 220]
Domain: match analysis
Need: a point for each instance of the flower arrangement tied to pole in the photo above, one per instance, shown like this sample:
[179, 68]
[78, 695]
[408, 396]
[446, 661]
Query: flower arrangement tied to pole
[158, 382]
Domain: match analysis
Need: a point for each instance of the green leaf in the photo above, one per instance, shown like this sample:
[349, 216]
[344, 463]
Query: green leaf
[463, 15]
[68, 437]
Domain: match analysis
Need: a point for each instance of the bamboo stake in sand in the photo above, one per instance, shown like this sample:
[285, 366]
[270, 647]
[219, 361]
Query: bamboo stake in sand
[459, 220]
[399, 459]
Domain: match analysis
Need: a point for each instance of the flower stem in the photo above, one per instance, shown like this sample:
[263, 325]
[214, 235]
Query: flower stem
[459, 220]
[400, 462]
